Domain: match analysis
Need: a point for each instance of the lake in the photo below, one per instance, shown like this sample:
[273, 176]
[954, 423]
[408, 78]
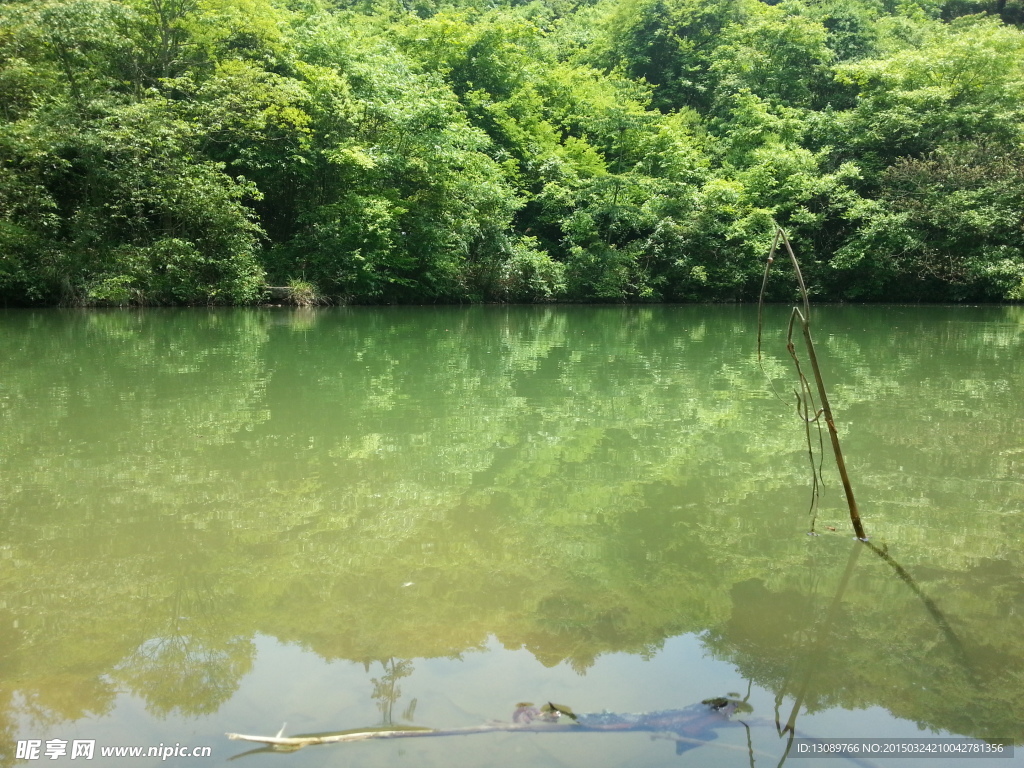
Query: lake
[228, 520]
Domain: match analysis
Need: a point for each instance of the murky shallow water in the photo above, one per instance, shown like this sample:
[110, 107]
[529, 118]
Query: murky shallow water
[223, 521]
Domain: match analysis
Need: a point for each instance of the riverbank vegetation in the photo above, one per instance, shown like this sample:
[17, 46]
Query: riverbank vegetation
[195, 151]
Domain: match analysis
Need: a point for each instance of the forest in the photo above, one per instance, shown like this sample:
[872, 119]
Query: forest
[194, 152]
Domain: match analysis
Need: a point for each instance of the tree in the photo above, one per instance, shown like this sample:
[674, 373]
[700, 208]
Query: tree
[956, 82]
[948, 226]
[669, 44]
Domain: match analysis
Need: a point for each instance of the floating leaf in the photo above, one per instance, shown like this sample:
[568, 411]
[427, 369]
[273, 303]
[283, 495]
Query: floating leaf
[558, 710]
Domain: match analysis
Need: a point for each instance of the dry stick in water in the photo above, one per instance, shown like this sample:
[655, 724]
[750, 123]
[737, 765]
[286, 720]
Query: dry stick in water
[805, 405]
[290, 744]
[826, 410]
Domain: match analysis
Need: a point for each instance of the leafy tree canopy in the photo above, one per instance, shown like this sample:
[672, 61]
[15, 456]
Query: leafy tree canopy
[195, 151]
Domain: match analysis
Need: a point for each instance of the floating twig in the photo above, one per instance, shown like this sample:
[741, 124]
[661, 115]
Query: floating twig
[293, 743]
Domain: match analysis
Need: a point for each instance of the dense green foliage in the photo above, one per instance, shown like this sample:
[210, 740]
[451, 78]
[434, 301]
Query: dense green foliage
[194, 151]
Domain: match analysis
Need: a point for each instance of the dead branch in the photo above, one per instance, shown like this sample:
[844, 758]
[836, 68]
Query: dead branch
[292, 743]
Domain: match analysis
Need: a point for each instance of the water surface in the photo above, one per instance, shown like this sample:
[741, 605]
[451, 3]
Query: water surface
[224, 520]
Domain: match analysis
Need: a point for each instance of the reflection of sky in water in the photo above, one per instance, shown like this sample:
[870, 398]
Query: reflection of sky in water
[295, 686]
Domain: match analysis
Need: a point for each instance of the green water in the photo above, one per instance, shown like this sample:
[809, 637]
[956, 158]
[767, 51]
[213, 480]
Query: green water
[224, 520]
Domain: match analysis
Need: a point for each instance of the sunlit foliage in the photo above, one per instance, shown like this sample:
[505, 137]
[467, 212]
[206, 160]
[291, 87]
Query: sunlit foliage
[195, 151]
